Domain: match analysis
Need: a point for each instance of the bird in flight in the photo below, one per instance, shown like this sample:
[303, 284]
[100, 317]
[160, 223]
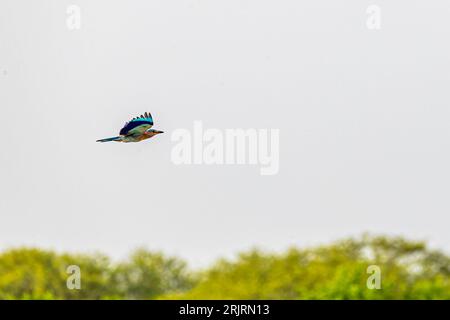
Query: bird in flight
[136, 130]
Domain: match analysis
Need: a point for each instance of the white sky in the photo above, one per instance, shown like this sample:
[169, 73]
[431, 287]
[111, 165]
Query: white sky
[363, 118]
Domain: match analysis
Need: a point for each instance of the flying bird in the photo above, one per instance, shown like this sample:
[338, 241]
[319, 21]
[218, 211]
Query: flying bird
[136, 130]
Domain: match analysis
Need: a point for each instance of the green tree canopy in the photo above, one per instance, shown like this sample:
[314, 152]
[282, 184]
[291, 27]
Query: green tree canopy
[40, 274]
[408, 269]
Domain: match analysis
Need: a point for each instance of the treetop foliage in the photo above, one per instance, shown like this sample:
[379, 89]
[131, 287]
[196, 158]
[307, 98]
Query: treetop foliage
[408, 270]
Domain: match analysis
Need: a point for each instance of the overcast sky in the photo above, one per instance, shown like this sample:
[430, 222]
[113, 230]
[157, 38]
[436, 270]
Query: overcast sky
[364, 119]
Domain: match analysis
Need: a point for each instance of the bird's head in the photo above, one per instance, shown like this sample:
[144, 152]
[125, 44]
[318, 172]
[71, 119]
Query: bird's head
[153, 132]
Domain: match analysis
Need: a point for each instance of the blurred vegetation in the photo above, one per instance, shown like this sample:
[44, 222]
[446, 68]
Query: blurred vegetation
[409, 270]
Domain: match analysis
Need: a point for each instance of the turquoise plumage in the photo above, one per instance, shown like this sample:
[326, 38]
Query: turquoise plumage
[137, 129]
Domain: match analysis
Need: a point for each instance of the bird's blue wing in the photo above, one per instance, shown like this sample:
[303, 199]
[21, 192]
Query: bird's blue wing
[138, 125]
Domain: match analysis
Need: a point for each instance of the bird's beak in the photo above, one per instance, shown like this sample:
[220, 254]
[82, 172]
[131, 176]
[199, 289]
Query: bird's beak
[160, 132]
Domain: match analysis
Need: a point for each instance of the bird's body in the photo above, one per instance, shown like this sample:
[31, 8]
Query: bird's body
[136, 130]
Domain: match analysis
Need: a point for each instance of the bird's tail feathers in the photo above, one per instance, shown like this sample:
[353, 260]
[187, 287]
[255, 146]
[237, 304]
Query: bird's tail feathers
[110, 139]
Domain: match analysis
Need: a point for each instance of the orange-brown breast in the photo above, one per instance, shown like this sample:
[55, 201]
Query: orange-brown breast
[146, 136]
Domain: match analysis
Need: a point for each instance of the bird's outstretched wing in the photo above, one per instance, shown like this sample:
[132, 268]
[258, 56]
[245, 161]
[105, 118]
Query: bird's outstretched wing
[137, 125]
